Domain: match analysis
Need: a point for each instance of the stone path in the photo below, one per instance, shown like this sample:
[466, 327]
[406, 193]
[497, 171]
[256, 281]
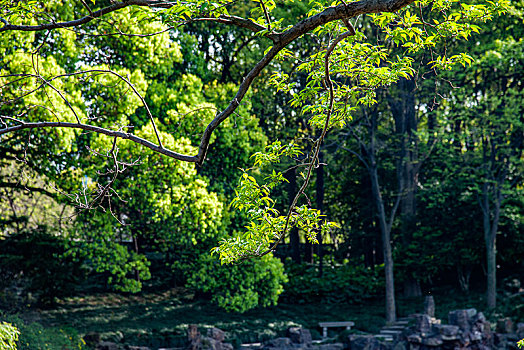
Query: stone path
[393, 331]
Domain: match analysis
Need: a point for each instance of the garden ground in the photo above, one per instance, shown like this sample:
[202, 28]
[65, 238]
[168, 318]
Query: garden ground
[161, 319]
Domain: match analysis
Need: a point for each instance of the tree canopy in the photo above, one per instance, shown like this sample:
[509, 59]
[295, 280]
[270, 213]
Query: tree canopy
[145, 109]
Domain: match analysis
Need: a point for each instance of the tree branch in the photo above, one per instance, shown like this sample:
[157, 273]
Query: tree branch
[87, 127]
[88, 18]
[333, 13]
[16, 185]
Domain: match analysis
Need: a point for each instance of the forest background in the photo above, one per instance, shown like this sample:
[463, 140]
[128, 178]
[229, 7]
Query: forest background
[436, 163]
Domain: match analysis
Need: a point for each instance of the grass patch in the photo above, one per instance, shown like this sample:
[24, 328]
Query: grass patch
[161, 319]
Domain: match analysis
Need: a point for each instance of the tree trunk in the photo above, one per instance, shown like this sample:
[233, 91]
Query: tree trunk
[491, 293]
[385, 228]
[386, 247]
[490, 237]
[491, 217]
[320, 206]
[308, 254]
[135, 244]
[464, 274]
[403, 110]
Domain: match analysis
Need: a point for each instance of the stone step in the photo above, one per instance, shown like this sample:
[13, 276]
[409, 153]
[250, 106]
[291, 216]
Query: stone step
[250, 346]
[384, 337]
[402, 322]
[394, 328]
[390, 332]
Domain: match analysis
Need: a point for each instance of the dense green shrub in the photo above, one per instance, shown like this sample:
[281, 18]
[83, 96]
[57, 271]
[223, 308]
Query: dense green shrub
[33, 261]
[338, 284]
[8, 336]
[256, 282]
[34, 336]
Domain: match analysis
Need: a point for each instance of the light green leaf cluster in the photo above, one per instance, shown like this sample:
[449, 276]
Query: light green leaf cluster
[8, 336]
[153, 54]
[18, 12]
[266, 224]
[368, 66]
[58, 99]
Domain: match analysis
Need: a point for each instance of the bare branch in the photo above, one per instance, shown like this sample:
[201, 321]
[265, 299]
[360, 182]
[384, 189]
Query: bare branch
[239, 22]
[119, 134]
[88, 18]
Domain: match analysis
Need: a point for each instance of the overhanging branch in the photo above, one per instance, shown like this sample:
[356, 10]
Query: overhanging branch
[108, 132]
[281, 40]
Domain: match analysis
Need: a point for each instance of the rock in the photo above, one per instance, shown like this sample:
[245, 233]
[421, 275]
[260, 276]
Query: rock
[216, 334]
[520, 330]
[300, 335]
[107, 345]
[365, 342]
[92, 339]
[423, 324]
[459, 318]
[211, 344]
[471, 313]
[499, 341]
[333, 346]
[194, 338]
[480, 317]
[279, 343]
[449, 332]
[400, 346]
[415, 338]
[432, 341]
[475, 336]
[504, 325]
[227, 346]
[429, 306]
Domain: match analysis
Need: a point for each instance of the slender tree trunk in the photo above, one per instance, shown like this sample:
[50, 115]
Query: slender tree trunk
[308, 254]
[403, 110]
[490, 237]
[491, 216]
[135, 244]
[464, 274]
[320, 206]
[386, 247]
[385, 228]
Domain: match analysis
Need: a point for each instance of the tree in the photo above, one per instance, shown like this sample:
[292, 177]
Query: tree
[343, 76]
[493, 136]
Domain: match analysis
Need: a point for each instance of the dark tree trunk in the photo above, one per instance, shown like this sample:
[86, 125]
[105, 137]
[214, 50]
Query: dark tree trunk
[491, 192]
[386, 247]
[464, 274]
[403, 110]
[490, 237]
[385, 227]
[308, 253]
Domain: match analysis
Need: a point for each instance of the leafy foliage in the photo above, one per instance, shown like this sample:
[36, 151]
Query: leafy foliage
[339, 283]
[33, 257]
[240, 287]
[267, 226]
[8, 336]
[33, 336]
